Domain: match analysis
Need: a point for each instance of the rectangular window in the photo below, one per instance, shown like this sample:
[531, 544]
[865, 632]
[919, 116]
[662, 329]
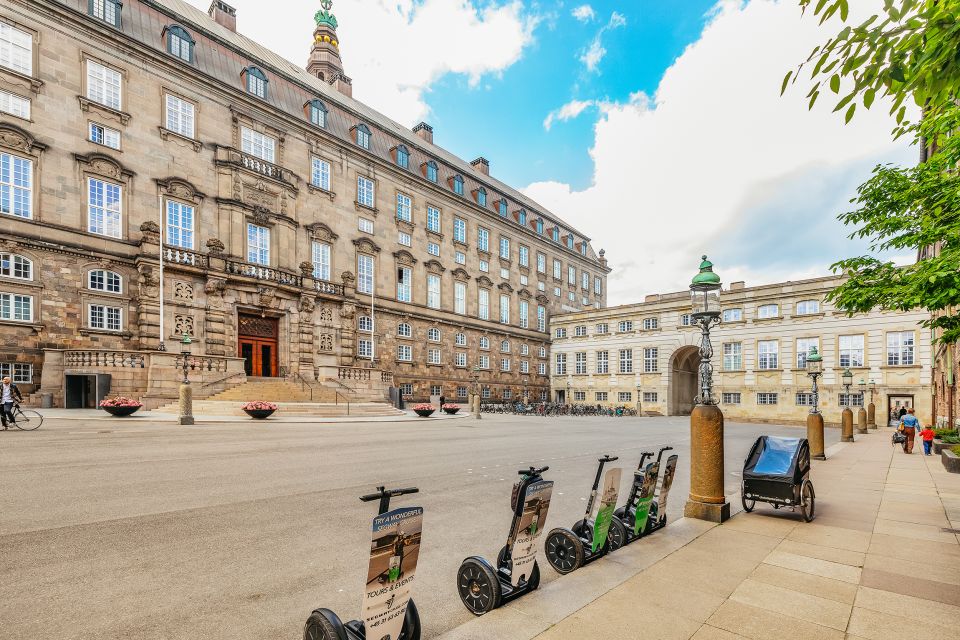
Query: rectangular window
[603, 362]
[600, 396]
[541, 369]
[365, 225]
[404, 353]
[461, 392]
[321, 261]
[404, 238]
[585, 281]
[404, 207]
[460, 258]
[106, 136]
[18, 308]
[365, 323]
[650, 396]
[597, 285]
[732, 315]
[626, 360]
[650, 324]
[459, 231]
[730, 398]
[560, 332]
[766, 398]
[524, 256]
[365, 194]
[406, 389]
[485, 392]
[433, 219]
[851, 400]
[16, 186]
[571, 275]
[602, 328]
[104, 210]
[460, 298]
[180, 219]
[103, 85]
[580, 362]
[16, 49]
[484, 361]
[580, 331]
[768, 311]
[483, 239]
[320, 174]
[504, 364]
[804, 399]
[365, 348]
[505, 248]
[14, 104]
[851, 351]
[524, 366]
[258, 144]
[484, 266]
[557, 269]
[106, 10]
[651, 360]
[686, 320]
[433, 248]
[504, 273]
[625, 325]
[258, 244]
[732, 356]
[561, 364]
[180, 116]
[805, 307]
[433, 291]
[803, 350]
[404, 284]
[106, 318]
[579, 396]
[433, 357]
[541, 318]
[625, 396]
[541, 263]
[364, 273]
[505, 309]
[524, 314]
[483, 304]
[461, 359]
[19, 372]
[768, 354]
[900, 348]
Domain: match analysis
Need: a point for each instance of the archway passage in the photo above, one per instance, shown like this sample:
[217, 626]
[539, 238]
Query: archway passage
[683, 380]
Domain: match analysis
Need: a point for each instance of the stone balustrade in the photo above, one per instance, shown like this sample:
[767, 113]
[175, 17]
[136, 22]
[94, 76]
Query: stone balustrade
[261, 272]
[178, 255]
[104, 359]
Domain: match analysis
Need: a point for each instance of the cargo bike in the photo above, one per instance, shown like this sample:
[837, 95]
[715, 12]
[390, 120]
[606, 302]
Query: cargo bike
[777, 472]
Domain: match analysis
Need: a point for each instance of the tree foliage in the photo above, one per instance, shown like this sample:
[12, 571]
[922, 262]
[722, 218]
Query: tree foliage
[909, 53]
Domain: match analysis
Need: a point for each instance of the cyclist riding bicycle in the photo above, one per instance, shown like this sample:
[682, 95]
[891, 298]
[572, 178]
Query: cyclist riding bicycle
[9, 394]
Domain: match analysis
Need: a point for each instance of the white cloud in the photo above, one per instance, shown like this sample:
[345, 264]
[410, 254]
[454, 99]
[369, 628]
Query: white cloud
[567, 112]
[595, 51]
[584, 13]
[717, 162]
[393, 51]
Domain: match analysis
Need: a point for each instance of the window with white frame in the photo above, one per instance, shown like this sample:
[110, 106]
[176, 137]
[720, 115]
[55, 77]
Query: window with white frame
[460, 298]
[433, 219]
[650, 396]
[804, 399]
[542, 352]
[16, 49]
[900, 348]
[320, 173]
[179, 43]
[404, 353]
[106, 10]
[18, 372]
[458, 185]
[364, 348]
[483, 304]
[803, 350]
[626, 360]
[542, 368]
[768, 311]
[851, 400]
[258, 244]
[560, 368]
[766, 398]
[404, 284]
[541, 318]
[105, 317]
[580, 362]
[504, 364]
[16, 186]
[541, 263]
[180, 219]
[484, 342]
[524, 349]
[524, 366]
[624, 396]
[686, 320]
[483, 361]
[365, 225]
[524, 314]
[579, 396]
[459, 231]
[602, 329]
[100, 134]
[16, 307]
[14, 105]
[483, 239]
[404, 330]
[580, 330]
[851, 351]
[571, 296]
[461, 359]
[406, 389]
[732, 356]
[404, 238]
[433, 248]
[404, 208]
[364, 273]
[461, 392]
[732, 315]
[557, 269]
[363, 136]
[651, 359]
[625, 325]
[585, 281]
[460, 339]
[600, 396]
[104, 208]
[485, 392]
[603, 362]
[257, 144]
[317, 112]
[321, 260]
[460, 257]
[768, 354]
[806, 307]
[505, 248]
[484, 266]
[365, 323]
[104, 280]
[104, 85]
[433, 357]
[256, 82]
[433, 291]
[560, 332]
[571, 275]
[505, 309]
[180, 116]
[15, 266]
[650, 323]
[365, 192]
[730, 397]
[523, 256]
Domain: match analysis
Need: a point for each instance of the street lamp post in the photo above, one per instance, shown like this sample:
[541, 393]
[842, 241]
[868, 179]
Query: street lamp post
[872, 408]
[846, 418]
[186, 391]
[707, 500]
[862, 411]
[815, 418]
[567, 398]
[475, 405]
[639, 398]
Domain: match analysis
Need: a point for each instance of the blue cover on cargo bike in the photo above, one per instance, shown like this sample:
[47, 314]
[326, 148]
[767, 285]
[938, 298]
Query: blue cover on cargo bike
[775, 469]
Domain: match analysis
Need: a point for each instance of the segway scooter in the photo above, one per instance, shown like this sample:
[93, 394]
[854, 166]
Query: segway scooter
[482, 587]
[635, 515]
[569, 549]
[388, 610]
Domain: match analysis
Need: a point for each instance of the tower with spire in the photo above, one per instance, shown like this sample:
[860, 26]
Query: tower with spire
[324, 61]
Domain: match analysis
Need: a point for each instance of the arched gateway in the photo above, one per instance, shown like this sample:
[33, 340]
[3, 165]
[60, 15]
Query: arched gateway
[683, 380]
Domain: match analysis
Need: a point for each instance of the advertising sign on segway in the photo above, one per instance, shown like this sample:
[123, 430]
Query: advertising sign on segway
[394, 552]
[645, 497]
[645, 509]
[608, 502]
[529, 528]
[668, 473]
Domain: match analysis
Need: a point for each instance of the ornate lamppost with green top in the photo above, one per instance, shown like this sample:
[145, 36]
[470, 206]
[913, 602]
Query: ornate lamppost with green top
[862, 411]
[475, 405]
[846, 418]
[707, 500]
[815, 418]
[186, 391]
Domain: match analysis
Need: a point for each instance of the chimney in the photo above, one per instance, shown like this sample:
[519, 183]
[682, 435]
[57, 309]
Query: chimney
[343, 84]
[482, 165]
[736, 286]
[425, 131]
[223, 14]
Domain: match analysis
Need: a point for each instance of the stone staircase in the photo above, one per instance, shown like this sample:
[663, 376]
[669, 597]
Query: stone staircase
[293, 398]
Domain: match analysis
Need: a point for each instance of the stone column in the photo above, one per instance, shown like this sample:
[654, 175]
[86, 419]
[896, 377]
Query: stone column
[186, 404]
[871, 416]
[862, 420]
[815, 435]
[707, 500]
[846, 425]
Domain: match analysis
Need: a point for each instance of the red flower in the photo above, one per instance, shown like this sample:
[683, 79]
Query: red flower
[423, 407]
[450, 405]
[120, 401]
[259, 405]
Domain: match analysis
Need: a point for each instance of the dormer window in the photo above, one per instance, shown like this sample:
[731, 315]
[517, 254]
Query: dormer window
[522, 217]
[403, 157]
[556, 234]
[540, 226]
[317, 112]
[458, 185]
[482, 197]
[106, 10]
[431, 171]
[502, 207]
[256, 82]
[363, 136]
[180, 43]
[570, 242]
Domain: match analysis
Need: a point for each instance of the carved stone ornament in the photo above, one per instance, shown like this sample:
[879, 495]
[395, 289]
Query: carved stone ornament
[524, 293]
[266, 297]
[542, 299]
[485, 281]
[307, 304]
[365, 245]
[150, 227]
[183, 291]
[348, 311]
[505, 286]
[147, 282]
[404, 257]
[215, 246]
[320, 231]
[215, 286]
[260, 216]
[326, 343]
[434, 266]
[460, 274]
[13, 137]
[306, 268]
[183, 325]
[326, 314]
[348, 278]
[180, 188]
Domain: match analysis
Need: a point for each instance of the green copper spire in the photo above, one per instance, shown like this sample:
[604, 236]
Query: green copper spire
[325, 16]
[706, 275]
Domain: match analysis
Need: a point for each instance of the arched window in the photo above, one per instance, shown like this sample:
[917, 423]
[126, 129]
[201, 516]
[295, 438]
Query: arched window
[461, 340]
[505, 346]
[540, 226]
[256, 82]
[403, 157]
[363, 136]
[482, 197]
[106, 10]
[14, 266]
[556, 234]
[180, 43]
[432, 172]
[522, 217]
[502, 207]
[458, 185]
[103, 280]
[365, 323]
[317, 112]
[403, 330]
[484, 342]
[433, 334]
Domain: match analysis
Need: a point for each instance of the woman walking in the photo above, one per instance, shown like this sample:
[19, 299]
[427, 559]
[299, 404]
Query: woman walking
[909, 424]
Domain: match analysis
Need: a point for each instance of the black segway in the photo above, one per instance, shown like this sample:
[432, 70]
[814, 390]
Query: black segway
[482, 587]
[635, 514]
[388, 611]
[569, 549]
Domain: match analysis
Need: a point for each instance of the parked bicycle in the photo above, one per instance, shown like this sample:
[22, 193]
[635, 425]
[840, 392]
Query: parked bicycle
[25, 419]
[556, 409]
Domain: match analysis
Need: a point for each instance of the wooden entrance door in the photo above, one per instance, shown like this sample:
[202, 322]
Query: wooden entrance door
[258, 339]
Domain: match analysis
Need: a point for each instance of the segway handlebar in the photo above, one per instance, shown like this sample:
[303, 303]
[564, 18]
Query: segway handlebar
[608, 458]
[533, 471]
[391, 493]
[662, 449]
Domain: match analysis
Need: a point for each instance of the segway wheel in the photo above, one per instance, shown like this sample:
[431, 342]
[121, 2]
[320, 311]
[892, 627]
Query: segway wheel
[478, 586]
[534, 580]
[411, 623]
[807, 500]
[324, 624]
[564, 551]
[616, 535]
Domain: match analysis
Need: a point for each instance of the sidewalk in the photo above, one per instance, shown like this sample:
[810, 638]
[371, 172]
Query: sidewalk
[878, 561]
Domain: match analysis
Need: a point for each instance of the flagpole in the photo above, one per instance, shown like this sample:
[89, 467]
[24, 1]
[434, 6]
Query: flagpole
[161, 347]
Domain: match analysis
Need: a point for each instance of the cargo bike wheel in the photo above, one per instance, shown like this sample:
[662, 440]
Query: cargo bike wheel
[748, 504]
[807, 500]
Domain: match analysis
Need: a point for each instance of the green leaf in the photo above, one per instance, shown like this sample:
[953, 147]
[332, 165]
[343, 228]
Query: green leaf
[868, 97]
[849, 115]
[786, 79]
[835, 83]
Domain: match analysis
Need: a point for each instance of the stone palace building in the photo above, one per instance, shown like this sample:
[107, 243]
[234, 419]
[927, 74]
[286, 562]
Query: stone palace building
[161, 175]
[646, 355]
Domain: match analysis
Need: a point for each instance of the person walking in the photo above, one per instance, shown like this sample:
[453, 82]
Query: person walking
[909, 424]
[927, 437]
[902, 412]
[9, 393]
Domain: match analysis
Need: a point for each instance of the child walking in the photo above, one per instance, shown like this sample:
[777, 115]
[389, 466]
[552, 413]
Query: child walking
[927, 435]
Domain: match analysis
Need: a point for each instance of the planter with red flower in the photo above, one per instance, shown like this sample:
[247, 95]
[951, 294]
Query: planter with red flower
[450, 408]
[259, 410]
[120, 406]
[424, 410]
